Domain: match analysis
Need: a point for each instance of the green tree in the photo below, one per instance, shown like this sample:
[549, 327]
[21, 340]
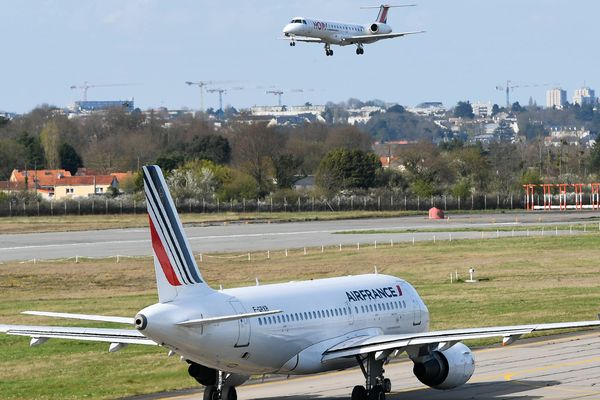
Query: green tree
[464, 109]
[34, 152]
[286, 169]
[12, 154]
[169, 162]
[50, 139]
[345, 169]
[215, 148]
[69, 159]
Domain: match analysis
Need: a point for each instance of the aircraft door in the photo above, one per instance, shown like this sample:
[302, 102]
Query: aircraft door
[412, 302]
[416, 310]
[243, 339]
[351, 313]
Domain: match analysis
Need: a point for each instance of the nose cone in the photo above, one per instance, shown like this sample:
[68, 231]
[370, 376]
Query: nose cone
[288, 29]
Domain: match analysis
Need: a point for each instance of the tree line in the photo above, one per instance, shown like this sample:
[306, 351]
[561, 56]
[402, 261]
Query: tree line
[241, 160]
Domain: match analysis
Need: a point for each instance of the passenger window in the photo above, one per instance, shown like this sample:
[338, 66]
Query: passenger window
[314, 314]
[336, 312]
[305, 316]
[278, 319]
[371, 307]
[404, 303]
[327, 313]
[356, 309]
[260, 321]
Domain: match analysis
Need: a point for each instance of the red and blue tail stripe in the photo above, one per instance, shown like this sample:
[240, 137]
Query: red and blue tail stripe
[171, 248]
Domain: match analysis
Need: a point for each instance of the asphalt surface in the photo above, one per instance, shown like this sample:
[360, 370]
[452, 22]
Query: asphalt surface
[558, 368]
[240, 237]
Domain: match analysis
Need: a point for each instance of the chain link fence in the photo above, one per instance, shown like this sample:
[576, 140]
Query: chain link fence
[390, 202]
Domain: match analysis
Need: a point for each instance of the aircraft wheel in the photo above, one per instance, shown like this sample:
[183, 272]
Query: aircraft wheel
[359, 393]
[211, 393]
[330, 52]
[358, 51]
[376, 393]
[229, 393]
[387, 385]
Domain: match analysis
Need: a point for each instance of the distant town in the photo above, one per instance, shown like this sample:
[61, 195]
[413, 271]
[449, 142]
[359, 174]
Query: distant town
[467, 150]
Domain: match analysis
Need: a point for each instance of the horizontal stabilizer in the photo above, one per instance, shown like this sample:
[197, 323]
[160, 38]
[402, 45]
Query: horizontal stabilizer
[129, 336]
[86, 317]
[225, 318]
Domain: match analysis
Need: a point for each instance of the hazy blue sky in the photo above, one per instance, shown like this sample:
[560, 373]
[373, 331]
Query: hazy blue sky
[470, 47]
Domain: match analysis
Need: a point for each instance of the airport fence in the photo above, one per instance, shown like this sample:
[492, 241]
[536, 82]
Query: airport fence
[385, 202]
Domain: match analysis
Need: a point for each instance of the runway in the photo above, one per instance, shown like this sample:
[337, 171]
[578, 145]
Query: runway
[273, 236]
[566, 367]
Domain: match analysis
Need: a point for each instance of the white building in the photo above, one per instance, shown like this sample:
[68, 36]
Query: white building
[363, 115]
[556, 98]
[481, 109]
[584, 95]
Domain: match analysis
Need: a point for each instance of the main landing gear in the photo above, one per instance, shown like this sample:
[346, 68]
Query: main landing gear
[328, 51]
[360, 50]
[376, 384]
[292, 43]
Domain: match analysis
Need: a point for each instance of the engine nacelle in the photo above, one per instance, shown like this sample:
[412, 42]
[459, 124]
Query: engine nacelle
[446, 369]
[379, 28]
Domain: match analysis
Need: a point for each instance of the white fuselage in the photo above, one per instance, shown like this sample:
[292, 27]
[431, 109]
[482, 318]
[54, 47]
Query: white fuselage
[339, 33]
[315, 315]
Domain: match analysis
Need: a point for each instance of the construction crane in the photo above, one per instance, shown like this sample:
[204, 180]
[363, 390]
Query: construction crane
[509, 88]
[201, 85]
[277, 93]
[220, 91]
[86, 85]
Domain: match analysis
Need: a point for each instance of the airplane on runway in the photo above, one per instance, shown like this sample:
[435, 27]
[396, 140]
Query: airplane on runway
[293, 328]
[342, 33]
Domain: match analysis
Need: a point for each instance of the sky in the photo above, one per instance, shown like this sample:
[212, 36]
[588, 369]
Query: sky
[470, 47]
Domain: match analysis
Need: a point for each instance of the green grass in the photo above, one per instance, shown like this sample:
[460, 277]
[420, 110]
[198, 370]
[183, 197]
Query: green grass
[524, 280]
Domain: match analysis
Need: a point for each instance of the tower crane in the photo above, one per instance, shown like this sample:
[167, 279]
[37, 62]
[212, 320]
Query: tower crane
[510, 87]
[220, 91]
[86, 85]
[277, 93]
[201, 85]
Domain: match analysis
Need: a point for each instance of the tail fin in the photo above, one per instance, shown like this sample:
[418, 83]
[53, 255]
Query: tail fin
[383, 13]
[176, 270]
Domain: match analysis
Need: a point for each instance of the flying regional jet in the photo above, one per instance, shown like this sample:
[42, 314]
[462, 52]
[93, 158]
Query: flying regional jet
[293, 328]
[302, 29]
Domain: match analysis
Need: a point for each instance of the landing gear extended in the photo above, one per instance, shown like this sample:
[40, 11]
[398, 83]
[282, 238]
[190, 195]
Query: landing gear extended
[292, 43]
[359, 49]
[376, 385]
[328, 51]
[217, 387]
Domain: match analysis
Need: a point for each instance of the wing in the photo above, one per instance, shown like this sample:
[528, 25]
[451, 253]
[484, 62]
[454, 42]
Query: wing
[304, 39]
[374, 38]
[385, 344]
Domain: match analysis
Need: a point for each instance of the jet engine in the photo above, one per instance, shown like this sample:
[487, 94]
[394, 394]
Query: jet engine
[446, 369]
[379, 28]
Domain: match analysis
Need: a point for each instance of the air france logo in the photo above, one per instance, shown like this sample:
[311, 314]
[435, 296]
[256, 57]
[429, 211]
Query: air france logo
[318, 25]
[374, 294]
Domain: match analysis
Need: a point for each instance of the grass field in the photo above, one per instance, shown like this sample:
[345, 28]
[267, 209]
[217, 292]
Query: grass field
[524, 280]
[62, 223]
